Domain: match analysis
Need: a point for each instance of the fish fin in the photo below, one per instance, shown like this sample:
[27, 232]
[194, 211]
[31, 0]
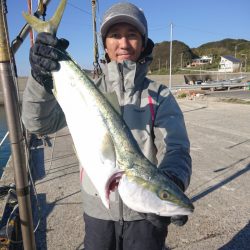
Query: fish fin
[113, 100]
[50, 26]
[108, 148]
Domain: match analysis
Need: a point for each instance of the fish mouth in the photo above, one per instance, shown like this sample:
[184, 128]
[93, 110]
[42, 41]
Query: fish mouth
[112, 183]
[188, 205]
[191, 208]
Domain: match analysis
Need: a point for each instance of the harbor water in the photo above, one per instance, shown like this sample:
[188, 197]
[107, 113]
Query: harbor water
[5, 147]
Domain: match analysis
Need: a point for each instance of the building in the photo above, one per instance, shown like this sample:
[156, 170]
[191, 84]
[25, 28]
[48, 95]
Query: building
[229, 64]
[201, 61]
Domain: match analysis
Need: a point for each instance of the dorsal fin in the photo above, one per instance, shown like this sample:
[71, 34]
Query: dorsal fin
[50, 26]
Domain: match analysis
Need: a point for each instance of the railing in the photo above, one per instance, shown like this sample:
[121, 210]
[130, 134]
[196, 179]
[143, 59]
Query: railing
[213, 86]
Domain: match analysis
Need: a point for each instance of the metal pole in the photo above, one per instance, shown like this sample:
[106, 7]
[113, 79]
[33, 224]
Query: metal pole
[181, 59]
[245, 55]
[245, 63]
[170, 57]
[15, 134]
[97, 68]
[94, 30]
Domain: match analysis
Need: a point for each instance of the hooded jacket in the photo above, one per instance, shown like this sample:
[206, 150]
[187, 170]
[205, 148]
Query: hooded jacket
[150, 111]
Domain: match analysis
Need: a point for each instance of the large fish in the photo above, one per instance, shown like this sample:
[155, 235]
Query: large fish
[104, 144]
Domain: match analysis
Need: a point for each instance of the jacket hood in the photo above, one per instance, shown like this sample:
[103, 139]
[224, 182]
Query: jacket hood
[147, 53]
[127, 76]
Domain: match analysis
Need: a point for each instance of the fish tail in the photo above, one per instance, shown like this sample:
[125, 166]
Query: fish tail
[50, 26]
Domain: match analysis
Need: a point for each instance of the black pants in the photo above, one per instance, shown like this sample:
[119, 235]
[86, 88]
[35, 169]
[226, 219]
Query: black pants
[131, 235]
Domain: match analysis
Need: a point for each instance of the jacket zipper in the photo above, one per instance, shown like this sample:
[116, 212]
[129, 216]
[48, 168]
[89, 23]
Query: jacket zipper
[122, 87]
[122, 90]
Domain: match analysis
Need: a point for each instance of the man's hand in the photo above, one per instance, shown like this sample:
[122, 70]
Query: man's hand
[160, 222]
[179, 220]
[44, 58]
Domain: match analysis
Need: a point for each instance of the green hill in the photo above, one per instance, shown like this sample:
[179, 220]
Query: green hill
[180, 53]
[183, 54]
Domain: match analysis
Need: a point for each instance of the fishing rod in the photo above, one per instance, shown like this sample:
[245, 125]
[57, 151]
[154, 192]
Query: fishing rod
[16, 135]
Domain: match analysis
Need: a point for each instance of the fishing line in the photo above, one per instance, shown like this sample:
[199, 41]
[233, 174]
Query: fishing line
[35, 194]
[11, 214]
[78, 8]
[52, 153]
[7, 226]
[202, 30]
[28, 157]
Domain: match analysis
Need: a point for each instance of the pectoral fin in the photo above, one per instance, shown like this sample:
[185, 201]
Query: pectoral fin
[108, 149]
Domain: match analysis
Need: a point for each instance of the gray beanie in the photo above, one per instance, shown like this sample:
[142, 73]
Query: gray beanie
[125, 13]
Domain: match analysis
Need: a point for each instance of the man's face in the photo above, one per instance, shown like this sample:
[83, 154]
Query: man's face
[123, 42]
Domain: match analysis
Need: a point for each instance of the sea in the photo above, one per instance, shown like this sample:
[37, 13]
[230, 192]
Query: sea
[5, 147]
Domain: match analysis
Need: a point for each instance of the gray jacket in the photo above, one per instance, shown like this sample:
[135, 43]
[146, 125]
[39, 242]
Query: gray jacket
[150, 111]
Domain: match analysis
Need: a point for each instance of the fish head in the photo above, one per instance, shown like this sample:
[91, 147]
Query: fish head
[155, 194]
[172, 199]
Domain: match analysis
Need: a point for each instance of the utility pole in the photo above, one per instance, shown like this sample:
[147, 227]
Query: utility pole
[235, 49]
[245, 55]
[170, 56]
[181, 60]
[15, 133]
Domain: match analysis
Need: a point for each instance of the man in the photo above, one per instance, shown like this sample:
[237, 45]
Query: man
[148, 108]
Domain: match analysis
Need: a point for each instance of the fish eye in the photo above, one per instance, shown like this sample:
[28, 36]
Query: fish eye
[164, 195]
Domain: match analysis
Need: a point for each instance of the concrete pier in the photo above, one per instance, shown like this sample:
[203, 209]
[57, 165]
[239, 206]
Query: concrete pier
[58, 188]
[220, 146]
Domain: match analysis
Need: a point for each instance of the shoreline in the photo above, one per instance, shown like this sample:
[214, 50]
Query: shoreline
[177, 80]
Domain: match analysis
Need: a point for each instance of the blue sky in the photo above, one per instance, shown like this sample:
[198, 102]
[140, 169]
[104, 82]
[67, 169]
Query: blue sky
[195, 22]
